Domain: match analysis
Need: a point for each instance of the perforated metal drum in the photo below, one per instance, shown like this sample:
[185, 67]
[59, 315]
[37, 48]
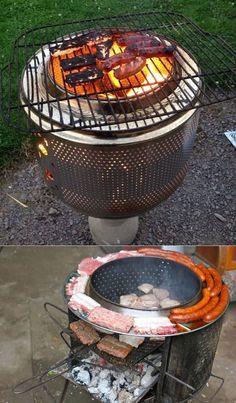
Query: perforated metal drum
[122, 177]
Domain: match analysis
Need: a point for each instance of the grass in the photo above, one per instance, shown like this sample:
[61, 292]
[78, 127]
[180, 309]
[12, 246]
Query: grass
[217, 16]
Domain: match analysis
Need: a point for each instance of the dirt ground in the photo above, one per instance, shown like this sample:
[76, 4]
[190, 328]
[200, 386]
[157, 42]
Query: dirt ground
[201, 211]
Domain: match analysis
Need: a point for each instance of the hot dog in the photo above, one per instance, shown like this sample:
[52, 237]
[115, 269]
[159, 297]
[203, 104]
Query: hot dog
[176, 256]
[195, 316]
[209, 280]
[220, 307]
[130, 69]
[190, 309]
[217, 282]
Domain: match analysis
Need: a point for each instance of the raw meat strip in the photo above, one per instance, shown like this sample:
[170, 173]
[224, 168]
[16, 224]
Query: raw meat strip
[76, 285]
[88, 265]
[111, 320]
[161, 325]
[82, 302]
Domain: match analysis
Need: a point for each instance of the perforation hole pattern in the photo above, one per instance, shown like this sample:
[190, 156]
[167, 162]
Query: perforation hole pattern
[123, 180]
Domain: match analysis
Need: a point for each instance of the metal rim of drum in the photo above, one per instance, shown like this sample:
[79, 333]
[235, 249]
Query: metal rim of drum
[154, 130]
[157, 264]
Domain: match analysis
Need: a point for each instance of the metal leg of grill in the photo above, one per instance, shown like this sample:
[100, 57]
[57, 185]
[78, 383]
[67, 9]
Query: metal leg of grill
[113, 232]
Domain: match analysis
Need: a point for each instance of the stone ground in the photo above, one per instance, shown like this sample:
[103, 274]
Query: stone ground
[201, 211]
[29, 340]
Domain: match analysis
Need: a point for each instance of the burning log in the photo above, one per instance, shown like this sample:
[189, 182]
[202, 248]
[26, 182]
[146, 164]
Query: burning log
[103, 49]
[84, 76]
[127, 70]
[79, 61]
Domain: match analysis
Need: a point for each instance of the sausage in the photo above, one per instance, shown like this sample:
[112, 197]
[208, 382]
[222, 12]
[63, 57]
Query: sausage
[176, 256]
[217, 282]
[220, 307]
[127, 70]
[151, 51]
[189, 309]
[115, 60]
[209, 280]
[141, 39]
[195, 316]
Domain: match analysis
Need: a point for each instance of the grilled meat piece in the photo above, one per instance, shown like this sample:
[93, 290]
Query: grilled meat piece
[160, 293]
[128, 300]
[84, 332]
[127, 70]
[141, 39]
[78, 61]
[150, 51]
[131, 340]
[167, 302]
[111, 320]
[112, 346]
[84, 76]
[103, 49]
[145, 287]
[116, 60]
[149, 301]
[66, 46]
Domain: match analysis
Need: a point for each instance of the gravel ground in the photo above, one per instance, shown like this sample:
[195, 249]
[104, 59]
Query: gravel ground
[201, 211]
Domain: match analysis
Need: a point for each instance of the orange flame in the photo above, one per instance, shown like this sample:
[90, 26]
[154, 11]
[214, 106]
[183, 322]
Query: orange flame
[156, 71]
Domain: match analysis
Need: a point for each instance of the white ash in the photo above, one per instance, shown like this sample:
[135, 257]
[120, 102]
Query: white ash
[115, 386]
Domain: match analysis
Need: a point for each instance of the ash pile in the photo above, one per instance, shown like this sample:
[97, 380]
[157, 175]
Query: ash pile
[115, 385]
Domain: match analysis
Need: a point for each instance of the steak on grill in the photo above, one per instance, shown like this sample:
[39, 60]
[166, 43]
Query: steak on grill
[112, 346]
[84, 332]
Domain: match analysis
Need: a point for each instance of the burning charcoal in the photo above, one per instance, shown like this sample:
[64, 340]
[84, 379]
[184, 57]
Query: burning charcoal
[81, 376]
[104, 387]
[85, 76]
[112, 396]
[125, 397]
[93, 391]
[103, 49]
[79, 61]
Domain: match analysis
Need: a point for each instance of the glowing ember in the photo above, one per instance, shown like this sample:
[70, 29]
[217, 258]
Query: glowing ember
[154, 73]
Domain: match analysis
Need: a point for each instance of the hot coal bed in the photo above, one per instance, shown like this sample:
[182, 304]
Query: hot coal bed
[114, 105]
